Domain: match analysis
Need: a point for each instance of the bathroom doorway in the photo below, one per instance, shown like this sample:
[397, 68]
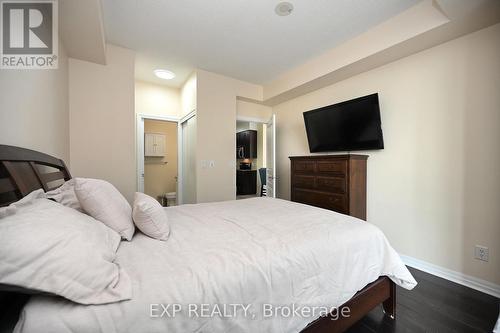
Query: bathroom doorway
[173, 157]
[158, 158]
[161, 160]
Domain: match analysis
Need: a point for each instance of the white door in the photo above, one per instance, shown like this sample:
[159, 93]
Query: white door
[271, 157]
[189, 161]
[140, 154]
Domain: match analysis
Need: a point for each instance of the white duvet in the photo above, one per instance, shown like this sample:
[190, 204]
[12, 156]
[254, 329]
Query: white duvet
[233, 266]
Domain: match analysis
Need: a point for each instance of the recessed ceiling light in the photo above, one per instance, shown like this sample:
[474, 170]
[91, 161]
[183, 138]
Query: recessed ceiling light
[164, 74]
[283, 8]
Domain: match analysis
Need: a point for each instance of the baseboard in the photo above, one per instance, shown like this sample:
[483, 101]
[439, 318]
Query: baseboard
[460, 278]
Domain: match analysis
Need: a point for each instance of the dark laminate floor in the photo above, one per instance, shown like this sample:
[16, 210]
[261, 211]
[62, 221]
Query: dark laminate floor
[435, 305]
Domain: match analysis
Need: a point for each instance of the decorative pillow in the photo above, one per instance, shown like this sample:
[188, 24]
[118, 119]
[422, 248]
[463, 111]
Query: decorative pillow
[65, 195]
[48, 247]
[104, 202]
[150, 217]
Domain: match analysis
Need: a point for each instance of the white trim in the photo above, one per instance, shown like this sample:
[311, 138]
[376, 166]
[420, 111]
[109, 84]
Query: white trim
[180, 157]
[188, 116]
[155, 117]
[484, 286]
[140, 117]
[271, 176]
[252, 119]
[139, 152]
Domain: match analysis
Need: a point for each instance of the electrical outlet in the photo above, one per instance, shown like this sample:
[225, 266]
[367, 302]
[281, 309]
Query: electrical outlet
[481, 253]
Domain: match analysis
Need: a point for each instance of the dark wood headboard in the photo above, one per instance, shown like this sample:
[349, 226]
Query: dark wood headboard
[23, 171]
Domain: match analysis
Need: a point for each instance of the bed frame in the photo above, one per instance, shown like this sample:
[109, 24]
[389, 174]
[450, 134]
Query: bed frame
[23, 171]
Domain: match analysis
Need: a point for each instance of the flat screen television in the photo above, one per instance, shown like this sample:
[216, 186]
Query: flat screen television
[346, 126]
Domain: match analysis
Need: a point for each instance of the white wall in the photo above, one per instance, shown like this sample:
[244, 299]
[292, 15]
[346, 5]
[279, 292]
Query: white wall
[434, 189]
[188, 94]
[34, 108]
[216, 133]
[252, 111]
[157, 100]
[102, 119]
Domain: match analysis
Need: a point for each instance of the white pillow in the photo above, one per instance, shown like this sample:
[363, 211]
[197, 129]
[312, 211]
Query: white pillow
[48, 247]
[150, 217]
[104, 202]
[65, 195]
[12, 208]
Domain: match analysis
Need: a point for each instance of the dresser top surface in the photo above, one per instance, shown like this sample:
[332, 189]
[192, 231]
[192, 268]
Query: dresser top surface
[332, 157]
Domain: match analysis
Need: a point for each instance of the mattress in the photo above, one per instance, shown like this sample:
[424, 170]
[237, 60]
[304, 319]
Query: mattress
[235, 266]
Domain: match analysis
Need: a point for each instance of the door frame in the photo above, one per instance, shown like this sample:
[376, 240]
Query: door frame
[140, 117]
[252, 119]
[274, 178]
[261, 121]
[180, 155]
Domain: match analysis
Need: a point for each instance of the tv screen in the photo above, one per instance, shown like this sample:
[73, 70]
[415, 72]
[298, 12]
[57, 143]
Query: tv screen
[350, 125]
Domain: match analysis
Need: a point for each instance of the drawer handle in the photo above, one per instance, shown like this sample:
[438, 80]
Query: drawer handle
[335, 199]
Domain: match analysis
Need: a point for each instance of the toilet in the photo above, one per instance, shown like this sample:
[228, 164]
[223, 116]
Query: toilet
[171, 198]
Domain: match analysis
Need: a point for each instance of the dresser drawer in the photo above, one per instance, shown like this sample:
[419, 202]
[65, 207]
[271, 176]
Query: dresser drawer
[335, 182]
[304, 166]
[331, 184]
[338, 167]
[336, 202]
[304, 181]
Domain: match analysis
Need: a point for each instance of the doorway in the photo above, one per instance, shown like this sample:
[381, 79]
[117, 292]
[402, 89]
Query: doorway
[186, 163]
[161, 160]
[255, 150]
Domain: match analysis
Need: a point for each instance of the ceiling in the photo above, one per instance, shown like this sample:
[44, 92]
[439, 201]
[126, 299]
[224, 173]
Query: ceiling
[238, 38]
[81, 30]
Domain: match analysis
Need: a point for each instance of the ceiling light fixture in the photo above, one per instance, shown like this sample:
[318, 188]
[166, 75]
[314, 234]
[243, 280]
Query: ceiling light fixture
[164, 74]
[283, 8]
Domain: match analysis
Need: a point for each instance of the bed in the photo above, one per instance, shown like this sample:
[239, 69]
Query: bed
[247, 264]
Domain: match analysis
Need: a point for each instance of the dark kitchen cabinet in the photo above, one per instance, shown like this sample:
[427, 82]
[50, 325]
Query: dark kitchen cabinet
[246, 182]
[246, 144]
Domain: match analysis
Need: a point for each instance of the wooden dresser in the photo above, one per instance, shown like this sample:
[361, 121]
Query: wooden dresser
[336, 182]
